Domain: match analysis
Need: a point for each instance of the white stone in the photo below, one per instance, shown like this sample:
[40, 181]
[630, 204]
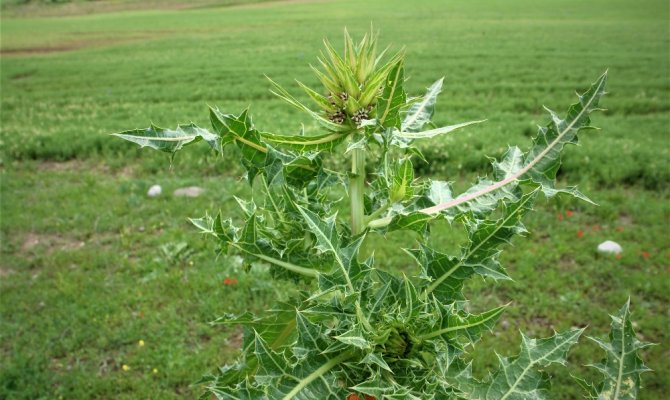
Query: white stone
[155, 191]
[191, 191]
[610, 247]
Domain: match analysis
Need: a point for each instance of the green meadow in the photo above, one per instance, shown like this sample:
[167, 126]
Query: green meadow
[107, 293]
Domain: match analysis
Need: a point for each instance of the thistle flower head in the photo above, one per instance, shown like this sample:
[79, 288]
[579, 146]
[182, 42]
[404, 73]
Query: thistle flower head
[352, 81]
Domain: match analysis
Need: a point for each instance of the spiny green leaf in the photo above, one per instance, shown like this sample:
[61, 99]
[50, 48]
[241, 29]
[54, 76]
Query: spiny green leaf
[413, 221]
[240, 130]
[393, 98]
[469, 326]
[312, 378]
[221, 229]
[435, 193]
[244, 390]
[543, 160]
[421, 112]
[271, 365]
[517, 377]
[446, 274]
[324, 230]
[401, 182]
[435, 132]
[170, 140]
[248, 244]
[286, 167]
[354, 337]
[622, 367]
[326, 142]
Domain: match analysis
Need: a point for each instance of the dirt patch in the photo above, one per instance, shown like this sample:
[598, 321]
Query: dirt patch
[35, 9]
[625, 219]
[61, 166]
[5, 272]
[30, 241]
[36, 50]
[236, 338]
[74, 45]
[52, 243]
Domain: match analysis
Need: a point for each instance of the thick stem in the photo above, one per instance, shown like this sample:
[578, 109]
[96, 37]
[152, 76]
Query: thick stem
[357, 200]
[357, 191]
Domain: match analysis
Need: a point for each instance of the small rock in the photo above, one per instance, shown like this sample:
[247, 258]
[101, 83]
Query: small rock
[609, 247]
[191, 191]
[155, 191]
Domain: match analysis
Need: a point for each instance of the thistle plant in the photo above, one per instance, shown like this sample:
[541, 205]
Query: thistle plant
[362, 331]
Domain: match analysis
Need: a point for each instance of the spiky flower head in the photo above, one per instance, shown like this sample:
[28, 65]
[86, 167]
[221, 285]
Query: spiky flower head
[352, 82]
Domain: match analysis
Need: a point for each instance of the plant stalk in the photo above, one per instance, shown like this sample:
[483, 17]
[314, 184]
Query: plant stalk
[357, 200]
[357, 191]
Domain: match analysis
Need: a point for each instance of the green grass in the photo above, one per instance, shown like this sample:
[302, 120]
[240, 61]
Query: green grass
[83, 277]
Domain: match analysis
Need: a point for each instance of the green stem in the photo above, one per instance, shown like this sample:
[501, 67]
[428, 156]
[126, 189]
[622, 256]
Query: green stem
[319, 372]
[357, 191]
[358, 220]
[291, 267]
[379, 211]
[312, 273]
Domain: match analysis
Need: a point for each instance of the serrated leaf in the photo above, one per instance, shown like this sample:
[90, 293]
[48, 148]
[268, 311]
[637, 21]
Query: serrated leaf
[325, 232]
[447, 274]
[326, 142]
[429, 134]
[271, 365]
[374, 359]
[244, 390]
[622, 367]
[401, 182]
[543, 160]
[413, 221]
[286, 167]
[421, 112]
[517, 377]
[354, 337]
[170, 140]
[392, 99]
[470, 326]
[437, 193]
[240, 130]
[221, 229]
[311, 379]
[246, 241]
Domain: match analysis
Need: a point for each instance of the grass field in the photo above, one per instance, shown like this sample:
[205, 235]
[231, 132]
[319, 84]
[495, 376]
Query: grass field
[88, 266]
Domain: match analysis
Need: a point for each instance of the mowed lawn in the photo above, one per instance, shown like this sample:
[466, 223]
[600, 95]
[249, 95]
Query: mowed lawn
[106, 293]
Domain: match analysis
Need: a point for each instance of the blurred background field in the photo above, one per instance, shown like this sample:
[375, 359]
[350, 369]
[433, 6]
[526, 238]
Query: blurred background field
[90, 266]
